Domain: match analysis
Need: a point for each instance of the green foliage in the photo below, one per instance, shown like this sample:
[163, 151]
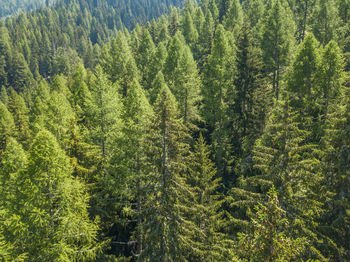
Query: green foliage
[271, 239]
[106, 161]
[277, 41]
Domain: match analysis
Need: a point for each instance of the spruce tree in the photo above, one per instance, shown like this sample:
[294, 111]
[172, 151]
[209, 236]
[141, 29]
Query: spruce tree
[12, 229]
[167, 231]
[277, 42]
[207, 214]
[270, 239]
[189, 30]
[335, 162]
[129, 168]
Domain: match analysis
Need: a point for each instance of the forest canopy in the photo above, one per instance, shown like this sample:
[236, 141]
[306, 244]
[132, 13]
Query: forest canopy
[158, 130]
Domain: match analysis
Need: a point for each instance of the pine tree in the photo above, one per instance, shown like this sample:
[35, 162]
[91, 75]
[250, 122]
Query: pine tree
[277, 42]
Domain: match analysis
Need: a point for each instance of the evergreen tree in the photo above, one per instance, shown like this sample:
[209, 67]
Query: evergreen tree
[326, 21]
[129, 168]
[189, 29]
[304, 10]
[248, 103]
[207, 214]
[186, 87]
[7, 126]
[19, 111]
[164, 223]
[145, 54]
[271, 240]
[107, 108]
[233, 20]
[331, 72]
[156, 64]
[205, 40]
[218, 80]
[277, 42]
[335, 155]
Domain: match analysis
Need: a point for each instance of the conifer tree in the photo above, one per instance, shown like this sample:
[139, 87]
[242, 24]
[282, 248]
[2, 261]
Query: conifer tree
[164, 223]
[303, 83]
[277, 42]
[145, 54]
[13, 164]
[55, 213]
[7, 126]
[271, 240]
[117, 61]
[158, 84]
[331, 73]
[303, 15]
[326, 21]
[129, 168]
[335, 162]
[233, 20]
[207, 214]
[218, 80]
[205, 40]
[107, 108]
[156, 64]
[248, 103]
[189, 30]
[19, 111]
[186, 87]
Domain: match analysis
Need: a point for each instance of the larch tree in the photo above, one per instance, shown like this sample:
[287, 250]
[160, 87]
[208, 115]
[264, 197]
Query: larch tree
[326, 21]
[233, 20]
[217, 82]
[55, 213]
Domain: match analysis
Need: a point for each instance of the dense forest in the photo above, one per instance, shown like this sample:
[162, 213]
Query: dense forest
[217, 130]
